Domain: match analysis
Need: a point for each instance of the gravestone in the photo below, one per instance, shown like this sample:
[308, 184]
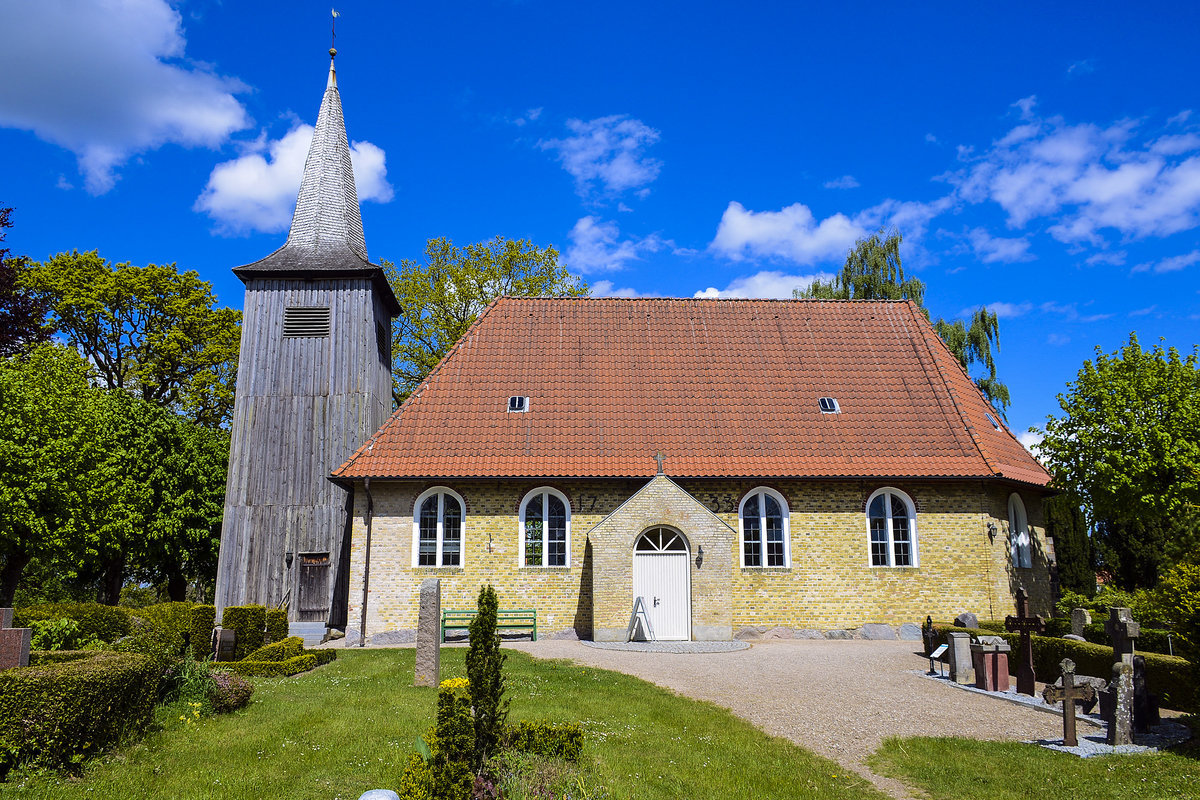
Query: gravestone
[1068, 694]
[1080, 619]
[1073, 637]
[1098, 684]
[226, 644]
[1145, 703]
[966, 620]
[959, 656]
[429, 620]
[14, 642]
[990, 660]
[1123, 630]
[1026, 625]
[1116, 705]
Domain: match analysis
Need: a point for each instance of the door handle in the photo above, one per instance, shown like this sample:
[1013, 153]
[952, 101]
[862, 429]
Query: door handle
[656, 602]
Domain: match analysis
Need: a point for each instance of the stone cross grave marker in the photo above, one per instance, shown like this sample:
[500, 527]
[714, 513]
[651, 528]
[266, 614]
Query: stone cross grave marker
[429, 648]
[1123, 630]
[14, 642]
[1080, 619]
[1026, 625]
[1067, 694]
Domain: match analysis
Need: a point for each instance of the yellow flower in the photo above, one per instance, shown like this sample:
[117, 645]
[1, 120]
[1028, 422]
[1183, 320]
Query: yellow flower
[455, 683]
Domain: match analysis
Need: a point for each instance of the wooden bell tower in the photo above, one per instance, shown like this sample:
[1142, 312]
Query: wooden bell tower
[314, 382]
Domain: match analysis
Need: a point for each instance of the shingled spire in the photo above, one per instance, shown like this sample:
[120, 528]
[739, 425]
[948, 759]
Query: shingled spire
[327, 212]
[326, 237]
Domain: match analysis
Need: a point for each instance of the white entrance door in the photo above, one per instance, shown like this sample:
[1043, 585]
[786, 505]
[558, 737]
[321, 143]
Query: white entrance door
[660, 578]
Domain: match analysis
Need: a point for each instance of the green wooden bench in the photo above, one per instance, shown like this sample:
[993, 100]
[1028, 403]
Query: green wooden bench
[520, 618]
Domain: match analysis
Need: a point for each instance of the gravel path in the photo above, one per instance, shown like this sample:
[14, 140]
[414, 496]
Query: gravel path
[840, 699]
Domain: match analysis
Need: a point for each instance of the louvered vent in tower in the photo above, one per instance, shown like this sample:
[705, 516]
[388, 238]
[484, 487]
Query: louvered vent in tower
[306, 321]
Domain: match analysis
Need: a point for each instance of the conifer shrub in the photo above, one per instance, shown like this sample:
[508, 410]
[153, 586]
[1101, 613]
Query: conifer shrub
[203, 620]
[289, 647]
[277, 625]
[249, 626]
[485, 673]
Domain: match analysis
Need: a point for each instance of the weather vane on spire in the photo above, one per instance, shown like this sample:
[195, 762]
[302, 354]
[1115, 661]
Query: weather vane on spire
[333, 30]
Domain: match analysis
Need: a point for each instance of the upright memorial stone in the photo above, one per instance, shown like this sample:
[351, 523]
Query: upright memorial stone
[1145, 702]
[1067, 694]
[1080, 619]
[961, 668]
[14, 642]
[1123, 630]
[1120, 724]
[429, 618]
[1026, 625]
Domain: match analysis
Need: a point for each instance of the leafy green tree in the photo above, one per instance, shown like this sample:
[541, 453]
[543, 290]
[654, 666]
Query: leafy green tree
[21, 313]
[873, 271]
[157, 497]
[1127, 450]
[1067, 525]
[441, 297]
[150, 330]
[49, 448]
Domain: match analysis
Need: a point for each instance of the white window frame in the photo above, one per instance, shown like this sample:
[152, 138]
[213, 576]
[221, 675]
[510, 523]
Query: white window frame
[911, 508]
[416, 528]
[547, 490]
[762, 528]
[1020, 539]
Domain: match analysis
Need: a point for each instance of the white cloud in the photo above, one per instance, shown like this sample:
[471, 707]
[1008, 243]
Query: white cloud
[108, 80]
[1141, 312]
[929, 137]
[1088, 179]
[1070, 312]
[1030, 440]
[609, 289]
[606, 156]
[792, 233]
[1172, 264]
[1001, 310]
[767, 284]
[1180, 118]
[1057, 339]
[844, 182]
[596, 246]
[257, 191]
[1083, 67]
[1113, 259]
[992, 249]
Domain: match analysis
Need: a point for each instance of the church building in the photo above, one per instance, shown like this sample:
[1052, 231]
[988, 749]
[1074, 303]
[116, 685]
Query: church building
[738, 465]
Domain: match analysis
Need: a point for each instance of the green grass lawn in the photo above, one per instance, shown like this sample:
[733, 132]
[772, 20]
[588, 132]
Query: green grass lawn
[953, 769]
[349, 726]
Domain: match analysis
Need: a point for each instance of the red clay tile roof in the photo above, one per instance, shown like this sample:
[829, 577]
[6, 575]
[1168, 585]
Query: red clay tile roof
[720, 387]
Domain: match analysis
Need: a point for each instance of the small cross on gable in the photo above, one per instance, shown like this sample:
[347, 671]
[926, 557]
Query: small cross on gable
[659, 457]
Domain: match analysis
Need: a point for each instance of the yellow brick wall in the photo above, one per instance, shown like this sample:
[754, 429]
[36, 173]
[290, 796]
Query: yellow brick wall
[828, 586]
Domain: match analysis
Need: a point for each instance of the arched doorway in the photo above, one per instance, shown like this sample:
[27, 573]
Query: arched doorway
[662, 579]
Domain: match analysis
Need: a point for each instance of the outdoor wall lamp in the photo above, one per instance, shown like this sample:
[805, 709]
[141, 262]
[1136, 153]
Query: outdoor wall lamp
[287, 558]
[991, 529]
[699, 556]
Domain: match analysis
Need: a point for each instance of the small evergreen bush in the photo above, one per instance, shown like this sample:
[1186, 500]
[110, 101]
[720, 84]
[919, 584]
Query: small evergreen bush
[280, 651]
[277, 669]
[203, 619]
[485, 672]
[553, 740]
[277, 625]
[249, 626]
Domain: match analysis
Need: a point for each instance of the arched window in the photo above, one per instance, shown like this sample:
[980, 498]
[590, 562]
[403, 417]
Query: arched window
[545, 534]
[763, 518]
[438, 528]
[892, 529]
[1018, 532]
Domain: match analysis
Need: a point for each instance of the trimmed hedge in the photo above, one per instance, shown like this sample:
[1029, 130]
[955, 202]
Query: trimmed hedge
[249, 624]
[56, 714]
[275, 669]
[173, 620]
[203, 620]
[1151, 640]
[554, 740]
[107, 623]
[280, 651]
[277, 625]
[1167, 676]
[39, 658]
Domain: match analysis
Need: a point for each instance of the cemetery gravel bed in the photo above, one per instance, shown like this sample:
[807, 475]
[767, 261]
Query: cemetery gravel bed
[840, 699]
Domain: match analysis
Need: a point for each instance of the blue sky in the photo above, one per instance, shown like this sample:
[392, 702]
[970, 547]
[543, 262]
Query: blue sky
[1043, 159]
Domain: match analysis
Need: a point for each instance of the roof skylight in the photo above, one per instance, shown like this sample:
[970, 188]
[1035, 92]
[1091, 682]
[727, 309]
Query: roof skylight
[829, 405]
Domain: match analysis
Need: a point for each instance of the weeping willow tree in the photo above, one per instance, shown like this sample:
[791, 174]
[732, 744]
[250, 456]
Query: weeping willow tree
[873, 271]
